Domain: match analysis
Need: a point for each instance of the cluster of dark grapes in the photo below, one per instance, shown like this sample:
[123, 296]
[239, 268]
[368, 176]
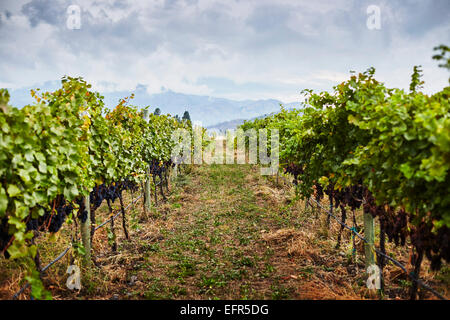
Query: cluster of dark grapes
[105, 192]
[349, 196]
[99, 194]
[353, 196]
[295, 170]
[156, 168]
[51, 221]
[329, 191]
[130, 185]
[435, 245]
[5, 237]
[82, 212]
[319, 192]
[53, 217]
[395, 224]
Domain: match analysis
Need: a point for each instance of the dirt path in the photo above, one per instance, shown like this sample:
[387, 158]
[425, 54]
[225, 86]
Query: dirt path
[225, 232]
[209, 242]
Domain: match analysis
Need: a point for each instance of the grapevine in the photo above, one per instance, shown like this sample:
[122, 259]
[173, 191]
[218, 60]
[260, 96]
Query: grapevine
[74, 147]
[383, 149]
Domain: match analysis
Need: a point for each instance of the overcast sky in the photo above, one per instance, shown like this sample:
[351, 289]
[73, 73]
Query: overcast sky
[237, 49]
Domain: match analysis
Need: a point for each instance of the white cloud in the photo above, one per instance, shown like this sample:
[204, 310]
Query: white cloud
[332, 76]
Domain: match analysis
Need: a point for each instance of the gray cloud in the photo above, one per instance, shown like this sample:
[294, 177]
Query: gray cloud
[51, 12]
[236, 49]
[419, 17]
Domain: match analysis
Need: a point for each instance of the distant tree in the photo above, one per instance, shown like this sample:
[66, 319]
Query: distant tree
[157, 112]
[4, 96]
[177, 118]
[186, 116]
[416, 82]
[443, 56]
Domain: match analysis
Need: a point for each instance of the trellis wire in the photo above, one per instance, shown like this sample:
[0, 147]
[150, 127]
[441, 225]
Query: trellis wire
[397, 263]
[62, 254]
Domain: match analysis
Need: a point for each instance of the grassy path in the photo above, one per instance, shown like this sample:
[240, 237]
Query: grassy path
[225, 232]
[211, 240]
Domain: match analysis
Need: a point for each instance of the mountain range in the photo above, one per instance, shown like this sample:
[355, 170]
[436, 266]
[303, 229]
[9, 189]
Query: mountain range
[204, 109]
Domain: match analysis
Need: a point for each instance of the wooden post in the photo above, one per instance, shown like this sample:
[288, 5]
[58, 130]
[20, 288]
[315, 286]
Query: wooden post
[111, 214]
[380, 259]
[369, 234]
[147, 192]
[175, 172]
[86, 231]
[306, 205]
[417, 261]
[331, 211]
[156, 193]
[124, 219]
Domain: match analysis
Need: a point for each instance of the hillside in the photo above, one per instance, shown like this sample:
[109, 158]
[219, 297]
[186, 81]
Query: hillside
[233, 124]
